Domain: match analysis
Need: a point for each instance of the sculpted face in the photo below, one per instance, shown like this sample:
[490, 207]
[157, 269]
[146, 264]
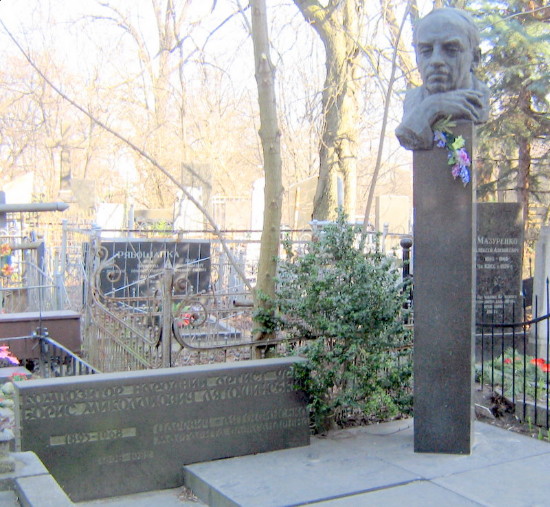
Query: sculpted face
[444, 54]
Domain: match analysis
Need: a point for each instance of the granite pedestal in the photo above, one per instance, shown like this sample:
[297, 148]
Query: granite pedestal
[444, 299]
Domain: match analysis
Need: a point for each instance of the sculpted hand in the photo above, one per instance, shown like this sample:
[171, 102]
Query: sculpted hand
[421, 112]
[463, 104]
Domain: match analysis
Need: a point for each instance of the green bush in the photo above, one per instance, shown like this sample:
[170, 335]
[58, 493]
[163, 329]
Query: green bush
[345, 304]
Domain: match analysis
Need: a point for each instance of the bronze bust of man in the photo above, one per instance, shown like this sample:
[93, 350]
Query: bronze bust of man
[446, 43]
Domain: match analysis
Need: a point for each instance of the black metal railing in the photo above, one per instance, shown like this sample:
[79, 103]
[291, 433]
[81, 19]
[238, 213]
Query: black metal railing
[51, 359]
[513, 358]
[55, 360]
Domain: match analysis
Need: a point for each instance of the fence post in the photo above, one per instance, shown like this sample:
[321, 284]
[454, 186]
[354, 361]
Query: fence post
[385, 231]
[406, 244]
[59, 291]
[167, 280]
[90, 344]
[61, 266]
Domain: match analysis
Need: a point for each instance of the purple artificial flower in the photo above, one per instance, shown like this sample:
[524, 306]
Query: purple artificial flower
[440, 139]
[455, 171]
[462, 158]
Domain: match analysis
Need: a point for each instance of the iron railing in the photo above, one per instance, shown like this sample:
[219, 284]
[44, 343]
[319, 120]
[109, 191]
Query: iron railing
[52, 358]
[513, 360]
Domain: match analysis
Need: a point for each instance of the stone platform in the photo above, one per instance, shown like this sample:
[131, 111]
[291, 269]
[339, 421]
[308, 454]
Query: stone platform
[376, 465]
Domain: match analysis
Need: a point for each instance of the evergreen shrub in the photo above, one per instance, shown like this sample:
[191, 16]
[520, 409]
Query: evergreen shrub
[344, 303]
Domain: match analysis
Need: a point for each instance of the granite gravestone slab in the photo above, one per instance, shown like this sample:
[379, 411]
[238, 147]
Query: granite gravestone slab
[444, 289]
[137, 266]
[120, 433]
[499, 261]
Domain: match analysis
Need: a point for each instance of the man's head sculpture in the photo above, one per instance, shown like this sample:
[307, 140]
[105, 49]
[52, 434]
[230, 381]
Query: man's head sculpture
[446, 43]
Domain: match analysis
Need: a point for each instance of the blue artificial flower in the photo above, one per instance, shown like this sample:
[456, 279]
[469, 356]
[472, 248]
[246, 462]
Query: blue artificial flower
[457, 156]
[464, 175]
[440, 139]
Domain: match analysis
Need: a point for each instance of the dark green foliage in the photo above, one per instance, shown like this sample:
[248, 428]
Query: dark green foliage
[347, 307]
[513, 145]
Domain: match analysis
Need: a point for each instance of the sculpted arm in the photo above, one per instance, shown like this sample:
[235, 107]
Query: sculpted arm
[420, 113]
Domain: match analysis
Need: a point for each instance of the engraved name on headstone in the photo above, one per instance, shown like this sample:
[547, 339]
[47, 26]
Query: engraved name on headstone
[120, 433]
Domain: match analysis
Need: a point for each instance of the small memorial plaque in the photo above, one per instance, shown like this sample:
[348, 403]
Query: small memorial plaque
[499, 262]
[121, 433]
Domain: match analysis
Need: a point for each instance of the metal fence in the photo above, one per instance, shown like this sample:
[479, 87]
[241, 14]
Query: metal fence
[513, 359]
[143, 329]
[53, 359]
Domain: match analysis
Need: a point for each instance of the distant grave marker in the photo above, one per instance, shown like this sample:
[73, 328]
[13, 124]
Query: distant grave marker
[137, 266]
[499, 261]
[121, 433]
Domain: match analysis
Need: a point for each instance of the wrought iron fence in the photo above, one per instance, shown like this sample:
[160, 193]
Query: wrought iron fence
[513, 359]
[52, 358]
[143, 329]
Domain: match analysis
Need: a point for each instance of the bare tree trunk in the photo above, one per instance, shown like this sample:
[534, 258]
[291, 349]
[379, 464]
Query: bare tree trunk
[338, 25]
[524, 163]
[406, 63]
[273, 194]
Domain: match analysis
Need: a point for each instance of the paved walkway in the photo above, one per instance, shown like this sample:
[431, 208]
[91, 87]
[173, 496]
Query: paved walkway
[376, 465]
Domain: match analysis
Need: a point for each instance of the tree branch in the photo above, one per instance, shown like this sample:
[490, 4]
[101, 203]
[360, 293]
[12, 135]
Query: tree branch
[141, 152]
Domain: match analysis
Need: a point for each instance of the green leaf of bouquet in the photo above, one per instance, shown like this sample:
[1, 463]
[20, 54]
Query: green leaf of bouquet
[452, 159]
[444, 124]
[457, 143]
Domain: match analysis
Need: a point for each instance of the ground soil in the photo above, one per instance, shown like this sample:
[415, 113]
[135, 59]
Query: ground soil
[493, 408]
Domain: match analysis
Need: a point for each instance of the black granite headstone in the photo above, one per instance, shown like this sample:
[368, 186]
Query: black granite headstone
[136, 266]
[120, 433]
[444, 288]
[499, 261]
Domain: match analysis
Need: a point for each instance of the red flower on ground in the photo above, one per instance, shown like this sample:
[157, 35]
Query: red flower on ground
[185, 320]
[507, 361]
[545, 367]
[539, 361]
[7, 270]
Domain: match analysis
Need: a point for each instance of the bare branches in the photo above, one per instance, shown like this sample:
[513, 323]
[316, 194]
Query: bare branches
[384, 122]
[135, 148]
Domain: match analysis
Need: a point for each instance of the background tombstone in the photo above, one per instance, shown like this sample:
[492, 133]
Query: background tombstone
[540, 294]
[137, 266]
[444, 287]
[499, 253]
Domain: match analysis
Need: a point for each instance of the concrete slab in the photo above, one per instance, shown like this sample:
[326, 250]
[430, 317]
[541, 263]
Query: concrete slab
[417, 494]
[377, 465]
[41, 490]
[492, 445]
[515, 483]
[27, 464]
[328, 468]
[8, 499]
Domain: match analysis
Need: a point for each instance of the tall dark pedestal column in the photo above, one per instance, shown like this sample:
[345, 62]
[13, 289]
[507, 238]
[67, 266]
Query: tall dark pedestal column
[444, 302]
